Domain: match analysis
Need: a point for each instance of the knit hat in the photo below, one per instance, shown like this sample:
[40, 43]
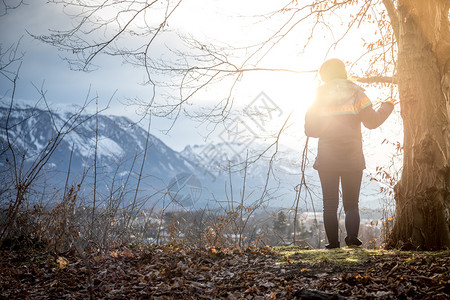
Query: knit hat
[332, 69]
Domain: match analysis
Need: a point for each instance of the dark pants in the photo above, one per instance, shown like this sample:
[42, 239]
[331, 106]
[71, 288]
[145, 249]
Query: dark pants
[351, 184]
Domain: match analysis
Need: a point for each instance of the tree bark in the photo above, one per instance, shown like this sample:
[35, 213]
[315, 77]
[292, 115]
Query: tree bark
[423, 193]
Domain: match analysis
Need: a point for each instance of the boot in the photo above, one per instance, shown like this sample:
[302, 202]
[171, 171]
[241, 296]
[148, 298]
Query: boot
[353, 241]
[333, 245]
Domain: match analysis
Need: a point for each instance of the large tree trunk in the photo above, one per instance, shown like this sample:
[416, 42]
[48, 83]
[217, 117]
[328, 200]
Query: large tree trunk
[423, 193]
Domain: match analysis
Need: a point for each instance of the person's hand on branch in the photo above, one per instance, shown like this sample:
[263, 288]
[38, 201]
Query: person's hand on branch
[393, 101]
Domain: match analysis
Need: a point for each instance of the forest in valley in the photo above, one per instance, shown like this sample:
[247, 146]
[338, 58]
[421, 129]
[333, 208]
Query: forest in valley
[160, 150]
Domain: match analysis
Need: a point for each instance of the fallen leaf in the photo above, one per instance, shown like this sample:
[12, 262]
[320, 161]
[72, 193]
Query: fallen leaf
[62, 262]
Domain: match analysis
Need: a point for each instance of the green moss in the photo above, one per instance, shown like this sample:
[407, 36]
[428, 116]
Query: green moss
[339, 257]
[346, 256]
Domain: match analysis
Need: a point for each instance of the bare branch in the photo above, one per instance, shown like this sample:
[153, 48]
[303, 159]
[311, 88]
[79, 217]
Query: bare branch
[392, 12]
[377, 79]
[6, 5]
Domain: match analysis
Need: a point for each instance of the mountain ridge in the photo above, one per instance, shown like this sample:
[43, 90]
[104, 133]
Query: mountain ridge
[120, 144]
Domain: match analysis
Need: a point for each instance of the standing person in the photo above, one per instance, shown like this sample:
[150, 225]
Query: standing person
[335, 118]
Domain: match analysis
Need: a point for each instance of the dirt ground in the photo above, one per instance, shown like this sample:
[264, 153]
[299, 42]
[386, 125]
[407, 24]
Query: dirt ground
[175, 272]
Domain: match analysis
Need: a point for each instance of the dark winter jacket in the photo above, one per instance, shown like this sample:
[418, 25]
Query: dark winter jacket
[335, 118]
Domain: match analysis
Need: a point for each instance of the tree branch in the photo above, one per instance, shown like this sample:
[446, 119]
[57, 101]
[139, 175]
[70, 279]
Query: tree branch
[392, 12]
[377, 79]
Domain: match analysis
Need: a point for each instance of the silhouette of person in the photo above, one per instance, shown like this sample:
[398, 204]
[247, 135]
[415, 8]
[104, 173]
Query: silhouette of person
[335, 117]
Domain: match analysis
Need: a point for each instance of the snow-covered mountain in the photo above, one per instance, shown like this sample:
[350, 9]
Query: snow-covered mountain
[267, 170]
[118, 140]
[210, 174]
[77, 139]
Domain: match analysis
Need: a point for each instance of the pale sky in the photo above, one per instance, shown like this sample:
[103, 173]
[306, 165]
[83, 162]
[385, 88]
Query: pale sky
[225, 21]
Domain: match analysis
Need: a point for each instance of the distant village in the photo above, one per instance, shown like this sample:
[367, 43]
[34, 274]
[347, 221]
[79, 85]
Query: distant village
[245, 227]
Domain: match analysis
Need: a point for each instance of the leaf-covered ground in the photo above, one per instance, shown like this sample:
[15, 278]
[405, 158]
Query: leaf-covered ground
[157, 272]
